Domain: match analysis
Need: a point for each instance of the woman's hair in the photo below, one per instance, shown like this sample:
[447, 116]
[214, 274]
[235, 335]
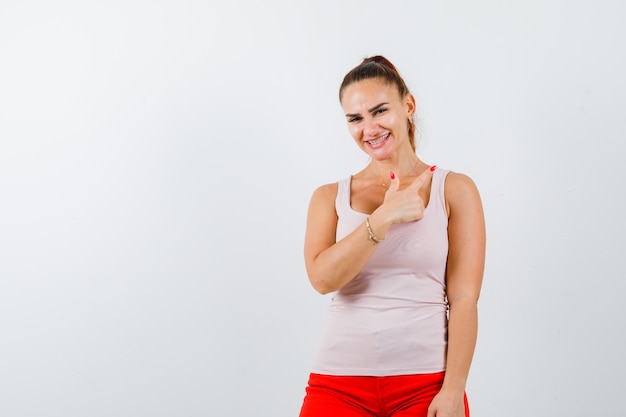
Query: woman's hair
[379, 67]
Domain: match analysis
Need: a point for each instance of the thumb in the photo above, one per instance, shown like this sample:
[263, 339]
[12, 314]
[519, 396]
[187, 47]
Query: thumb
[395, 182]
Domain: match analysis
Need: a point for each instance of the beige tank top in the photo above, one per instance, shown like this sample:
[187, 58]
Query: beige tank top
[391, 319]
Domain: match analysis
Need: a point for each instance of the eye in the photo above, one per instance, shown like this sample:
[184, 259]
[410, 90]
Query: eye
[354, 119]
[380, 111]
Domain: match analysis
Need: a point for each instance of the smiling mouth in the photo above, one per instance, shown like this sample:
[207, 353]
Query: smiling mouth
[378, 141]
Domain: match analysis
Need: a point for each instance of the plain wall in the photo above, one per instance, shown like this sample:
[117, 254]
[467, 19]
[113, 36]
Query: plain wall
[156, 162]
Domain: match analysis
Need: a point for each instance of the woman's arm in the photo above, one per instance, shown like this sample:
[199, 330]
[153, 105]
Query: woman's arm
[330, 265]
[466, 259]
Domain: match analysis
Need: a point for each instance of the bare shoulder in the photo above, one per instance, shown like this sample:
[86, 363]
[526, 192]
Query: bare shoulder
[326, 191]
[460, 191]
[321, 221]
[324, 196]
[459, 183]
[323, 201]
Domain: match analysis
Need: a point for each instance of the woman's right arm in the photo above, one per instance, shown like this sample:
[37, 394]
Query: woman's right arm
[330, 265]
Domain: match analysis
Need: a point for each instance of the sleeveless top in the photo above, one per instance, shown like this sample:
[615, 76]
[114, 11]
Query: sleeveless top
[391, 319]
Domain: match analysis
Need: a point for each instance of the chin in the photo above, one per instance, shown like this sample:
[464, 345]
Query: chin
[380, 156]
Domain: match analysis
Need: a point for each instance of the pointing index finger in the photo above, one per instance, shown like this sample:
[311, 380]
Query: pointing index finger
[423, 177]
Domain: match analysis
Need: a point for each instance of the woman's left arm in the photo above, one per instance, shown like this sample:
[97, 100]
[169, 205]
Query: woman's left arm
[464, 274]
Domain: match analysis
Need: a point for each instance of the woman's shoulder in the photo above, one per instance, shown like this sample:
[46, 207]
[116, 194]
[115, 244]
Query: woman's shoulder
[330, 189]
[455, 180]
[322, 203]
[326, 192]
[460, 189]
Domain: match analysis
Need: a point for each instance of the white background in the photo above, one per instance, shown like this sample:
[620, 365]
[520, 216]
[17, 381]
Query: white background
[156, 162]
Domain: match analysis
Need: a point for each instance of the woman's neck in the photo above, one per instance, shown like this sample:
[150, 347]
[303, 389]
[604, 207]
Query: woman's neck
[403, 167]
[406, 167]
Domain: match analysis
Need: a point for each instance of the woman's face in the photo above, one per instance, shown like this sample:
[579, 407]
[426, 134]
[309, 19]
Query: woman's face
[378, 117]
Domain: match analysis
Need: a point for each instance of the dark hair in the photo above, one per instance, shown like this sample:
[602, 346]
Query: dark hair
[379, 67]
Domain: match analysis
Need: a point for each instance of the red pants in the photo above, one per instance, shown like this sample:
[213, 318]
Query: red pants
[369, 396]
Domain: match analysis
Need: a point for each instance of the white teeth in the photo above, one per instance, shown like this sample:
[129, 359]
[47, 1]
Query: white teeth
[377, 141]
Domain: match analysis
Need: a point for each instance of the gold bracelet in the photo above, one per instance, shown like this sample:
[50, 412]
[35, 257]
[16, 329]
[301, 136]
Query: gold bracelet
[373, 237]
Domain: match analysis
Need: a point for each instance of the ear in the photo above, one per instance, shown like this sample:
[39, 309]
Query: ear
[409, 102]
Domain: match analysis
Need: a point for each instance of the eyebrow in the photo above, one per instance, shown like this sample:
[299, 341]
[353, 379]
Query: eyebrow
[373, 109]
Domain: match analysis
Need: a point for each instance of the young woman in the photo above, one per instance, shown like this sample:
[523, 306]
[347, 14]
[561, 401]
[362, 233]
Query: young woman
[401, 247]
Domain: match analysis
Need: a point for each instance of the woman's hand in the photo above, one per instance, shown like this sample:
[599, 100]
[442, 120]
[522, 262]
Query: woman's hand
[402, 206]
[447, 404]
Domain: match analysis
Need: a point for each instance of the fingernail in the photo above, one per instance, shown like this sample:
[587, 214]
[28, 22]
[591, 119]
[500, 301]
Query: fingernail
[392, 175]
[432, 168]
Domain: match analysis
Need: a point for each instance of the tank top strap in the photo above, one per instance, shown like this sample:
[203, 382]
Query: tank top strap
[437, 190]
[342, 201]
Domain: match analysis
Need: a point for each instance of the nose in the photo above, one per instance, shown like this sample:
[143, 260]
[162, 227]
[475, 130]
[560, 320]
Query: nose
[370, 127]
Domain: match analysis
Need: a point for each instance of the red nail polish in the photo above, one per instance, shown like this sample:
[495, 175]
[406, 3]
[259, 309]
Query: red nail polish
[392, 175]
[432, 168]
